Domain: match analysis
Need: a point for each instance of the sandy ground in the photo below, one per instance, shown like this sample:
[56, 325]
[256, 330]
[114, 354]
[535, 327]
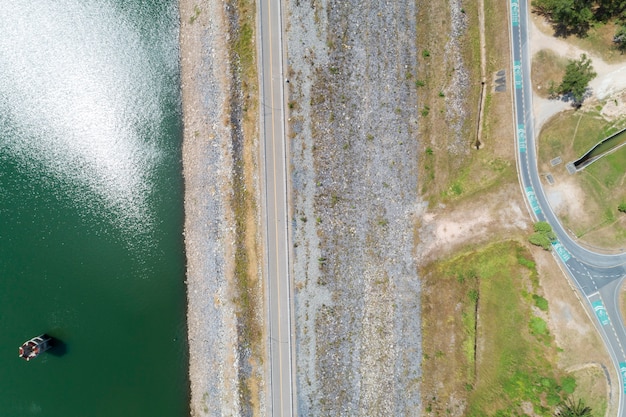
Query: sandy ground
[610, 81]
[564, 198]
[448, 230]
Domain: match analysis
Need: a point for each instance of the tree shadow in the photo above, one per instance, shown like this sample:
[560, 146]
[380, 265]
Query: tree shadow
[563, 31]
[569, 98]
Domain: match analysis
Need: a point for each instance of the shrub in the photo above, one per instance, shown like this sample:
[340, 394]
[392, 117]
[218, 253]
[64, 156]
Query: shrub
[543, 235]
[568, 384]
[542, 227]
[540, 302]
[539, 239]
[538, 326]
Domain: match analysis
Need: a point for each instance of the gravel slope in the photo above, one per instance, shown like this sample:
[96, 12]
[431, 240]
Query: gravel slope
[354, 151]
[209, 226]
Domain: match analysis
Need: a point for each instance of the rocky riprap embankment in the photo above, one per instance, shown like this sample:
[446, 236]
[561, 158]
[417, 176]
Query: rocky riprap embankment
[354, 151]
[219, 360]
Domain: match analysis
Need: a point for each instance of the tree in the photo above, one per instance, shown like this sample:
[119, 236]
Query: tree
[545, 229]
[543, 7]
[619, 39]
[578, 73]
[570, 408]
[567, 16]
[608, 9]
[622, 207]
[572, 16]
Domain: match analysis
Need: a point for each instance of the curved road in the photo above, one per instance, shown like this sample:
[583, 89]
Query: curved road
[598, 277]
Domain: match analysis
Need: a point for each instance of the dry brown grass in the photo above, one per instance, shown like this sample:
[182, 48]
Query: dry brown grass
[498, 122]
[548, 69]
[592, 385]
[575, 334]
[449, 171]
[439, 162]
[622, 302]
[248, 285]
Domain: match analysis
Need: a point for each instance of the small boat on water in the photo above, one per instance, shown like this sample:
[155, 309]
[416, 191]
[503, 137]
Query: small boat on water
[35, 346]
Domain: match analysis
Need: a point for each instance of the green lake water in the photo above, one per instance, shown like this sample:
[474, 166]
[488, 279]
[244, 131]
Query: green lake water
[91, 248]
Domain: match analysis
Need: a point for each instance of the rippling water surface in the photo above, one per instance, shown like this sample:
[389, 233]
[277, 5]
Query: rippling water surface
[91, 208]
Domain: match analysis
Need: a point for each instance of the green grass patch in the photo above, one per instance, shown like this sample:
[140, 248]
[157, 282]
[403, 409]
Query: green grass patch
[609, 170]
[570, 135]
[526, 262]
[540, 302]
[568, 384]
[614, 143]
[538, 326]
[516, 363]
[505, 355]
[481, 176]
[244, 46]
[196, 14]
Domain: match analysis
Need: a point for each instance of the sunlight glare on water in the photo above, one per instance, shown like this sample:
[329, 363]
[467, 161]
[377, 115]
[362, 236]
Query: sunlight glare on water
[81, 100]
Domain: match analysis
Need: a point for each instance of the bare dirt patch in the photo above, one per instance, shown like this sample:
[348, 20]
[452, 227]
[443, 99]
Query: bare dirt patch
[614, 107]
[599, 39]
[472, 222]
[565, 199]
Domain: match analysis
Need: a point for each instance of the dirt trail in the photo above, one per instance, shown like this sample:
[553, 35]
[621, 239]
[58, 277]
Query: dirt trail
[611, 78]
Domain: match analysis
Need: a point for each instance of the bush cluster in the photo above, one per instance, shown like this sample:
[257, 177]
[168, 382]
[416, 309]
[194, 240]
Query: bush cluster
[543, 236]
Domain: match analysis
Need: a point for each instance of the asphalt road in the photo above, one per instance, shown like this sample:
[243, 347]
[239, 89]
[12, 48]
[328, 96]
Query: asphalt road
[278, 286]
[597, 277]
